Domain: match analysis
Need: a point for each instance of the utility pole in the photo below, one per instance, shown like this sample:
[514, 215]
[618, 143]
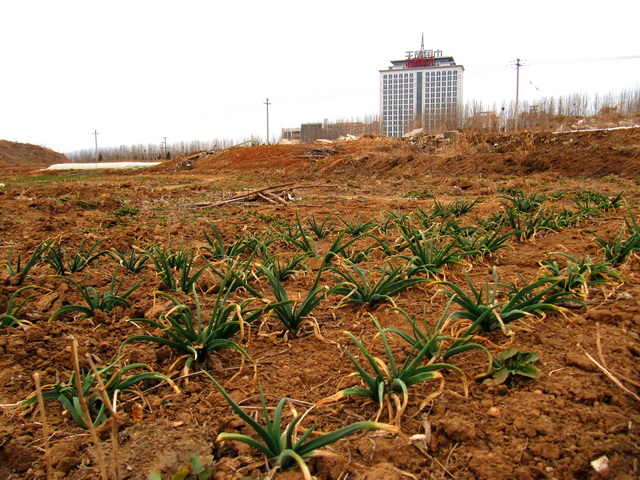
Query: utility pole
[267, 104]
[518, 65]
[164, 147]
[95, 134]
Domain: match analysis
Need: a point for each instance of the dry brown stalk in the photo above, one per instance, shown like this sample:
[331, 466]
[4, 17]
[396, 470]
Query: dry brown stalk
[112, 412]
[85, 410]
[269, 194]
[604, 362]
[609, 374]
[45, 425]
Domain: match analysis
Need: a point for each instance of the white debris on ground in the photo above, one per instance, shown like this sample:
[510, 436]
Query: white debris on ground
[100, 165]
[587, 129]
[600, 464]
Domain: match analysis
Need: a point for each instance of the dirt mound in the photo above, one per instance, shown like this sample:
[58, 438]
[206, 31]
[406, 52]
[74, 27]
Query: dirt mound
[15, 154]
[592, 154]
[241, 159]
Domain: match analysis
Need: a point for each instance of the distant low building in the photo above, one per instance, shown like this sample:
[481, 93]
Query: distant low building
[291, 134]
[310, 132]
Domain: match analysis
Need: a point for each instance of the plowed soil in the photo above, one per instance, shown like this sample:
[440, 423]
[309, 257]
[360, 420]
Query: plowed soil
[554, 426]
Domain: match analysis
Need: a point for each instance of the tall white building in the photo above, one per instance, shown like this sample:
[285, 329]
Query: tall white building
[422, 91]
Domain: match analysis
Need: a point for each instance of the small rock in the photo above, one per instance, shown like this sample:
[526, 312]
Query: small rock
[495, 412]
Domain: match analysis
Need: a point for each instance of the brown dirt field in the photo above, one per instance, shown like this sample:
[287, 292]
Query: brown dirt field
[550, 427]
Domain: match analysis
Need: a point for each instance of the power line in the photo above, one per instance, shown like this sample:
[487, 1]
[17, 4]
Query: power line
[581, 60]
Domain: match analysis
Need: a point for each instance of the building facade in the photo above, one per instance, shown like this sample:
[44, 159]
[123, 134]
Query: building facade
[310, 132]
[422, 91]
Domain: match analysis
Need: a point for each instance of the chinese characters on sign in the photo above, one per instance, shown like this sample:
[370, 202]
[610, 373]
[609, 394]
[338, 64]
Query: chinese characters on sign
[420, 62]
[424, 53]
[422, 58]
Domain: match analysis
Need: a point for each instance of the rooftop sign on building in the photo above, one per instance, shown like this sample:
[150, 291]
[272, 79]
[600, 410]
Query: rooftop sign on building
[422, 58]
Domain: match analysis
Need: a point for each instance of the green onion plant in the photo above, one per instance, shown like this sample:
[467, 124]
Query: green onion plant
[617, 250]
[321, 228]
[437, 345]
[429, 253]
[292, 312]
[487, 312]
[284, 267]
[389, 381]
[63, 261]
[357, 227]
[299, 237]
[579, 275]
[177, 268]
[22, 271]
[11, 316]
[115, 380]
[106, 302]
[280, 443]
[135, 260]
[359, 288]
[189, 334]
[522, 202]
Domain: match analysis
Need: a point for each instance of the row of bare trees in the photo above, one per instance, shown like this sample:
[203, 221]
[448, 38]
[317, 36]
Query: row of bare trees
[156, 151]
[546, 112]
[624, 103]
[473, 114]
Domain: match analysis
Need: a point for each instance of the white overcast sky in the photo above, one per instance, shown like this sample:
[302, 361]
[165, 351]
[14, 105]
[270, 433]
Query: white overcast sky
[140, 70]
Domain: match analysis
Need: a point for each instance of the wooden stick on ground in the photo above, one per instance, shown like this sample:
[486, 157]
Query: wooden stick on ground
[267, 199]
[114, 420]
[609, 374]
[45, 426]
[85, 410]
[274, 191]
